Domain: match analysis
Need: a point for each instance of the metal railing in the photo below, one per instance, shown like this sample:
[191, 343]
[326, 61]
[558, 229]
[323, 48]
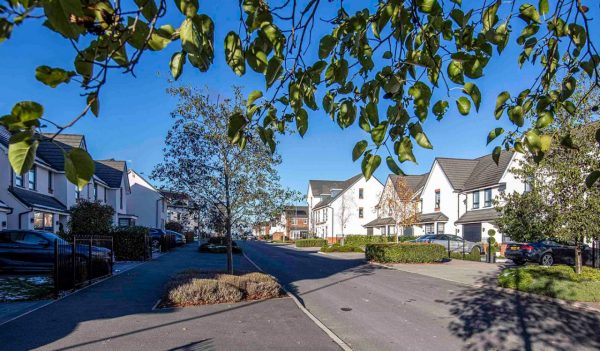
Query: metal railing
[82, 261]
[596, 253]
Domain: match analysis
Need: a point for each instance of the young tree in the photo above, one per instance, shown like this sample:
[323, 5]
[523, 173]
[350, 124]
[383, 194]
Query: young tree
[236, 185]
[344, 213]
[525, 217]
[400, 202]
[388, 54]
[90, 218]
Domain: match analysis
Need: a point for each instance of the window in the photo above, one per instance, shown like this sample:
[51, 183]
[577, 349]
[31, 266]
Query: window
[121, 198]
[104, 194]
[476, 200]
[421, 205]
[43, 221]
[294, 222]
[487, 197]
[360, 212]
[361, 193]
[429, 228]
[31, 177]
[440, 228]
[19, 180]
[95, 191]
[437, 200]
[528, 184]
[50, 189]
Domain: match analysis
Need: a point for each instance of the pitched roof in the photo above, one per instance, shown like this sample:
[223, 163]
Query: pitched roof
[486, 215]
[414, 182]
[432, 217]
[110, 171]
[379, 222]
[297, 211]
[52, 151]
[466, 174]
[320, 187]
[4, 207]
[37, 200]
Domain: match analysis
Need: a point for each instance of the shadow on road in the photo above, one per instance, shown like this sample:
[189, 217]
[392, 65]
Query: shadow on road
[487, 319]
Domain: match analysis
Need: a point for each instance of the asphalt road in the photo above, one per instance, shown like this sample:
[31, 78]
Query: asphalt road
[376, 308]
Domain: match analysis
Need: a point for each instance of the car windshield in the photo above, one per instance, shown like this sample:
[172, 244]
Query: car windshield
[426, 237]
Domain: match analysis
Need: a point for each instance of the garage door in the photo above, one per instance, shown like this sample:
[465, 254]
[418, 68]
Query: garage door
[472, 232]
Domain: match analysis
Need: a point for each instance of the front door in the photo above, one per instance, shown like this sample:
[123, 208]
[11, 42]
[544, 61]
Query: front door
[472, 232]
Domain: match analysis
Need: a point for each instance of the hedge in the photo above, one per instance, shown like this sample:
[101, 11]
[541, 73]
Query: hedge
[131, 244]
[311, 242]
[405, 253]
[474, 255]
[341, 248]
[363, 240]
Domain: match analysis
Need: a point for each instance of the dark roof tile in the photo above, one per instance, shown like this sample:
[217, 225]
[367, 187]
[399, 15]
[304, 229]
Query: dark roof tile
[35, 199]
[111, 171]
[485, 215]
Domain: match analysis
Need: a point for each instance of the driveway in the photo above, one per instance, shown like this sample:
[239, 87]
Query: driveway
[117, 314]
[372, 307]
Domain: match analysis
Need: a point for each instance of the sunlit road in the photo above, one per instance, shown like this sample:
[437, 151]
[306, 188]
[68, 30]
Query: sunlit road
[375, 308]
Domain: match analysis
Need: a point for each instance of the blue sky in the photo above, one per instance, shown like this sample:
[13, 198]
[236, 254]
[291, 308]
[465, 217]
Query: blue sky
[135, 117]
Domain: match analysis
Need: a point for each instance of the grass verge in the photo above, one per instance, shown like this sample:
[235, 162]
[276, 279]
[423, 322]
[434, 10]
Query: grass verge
[557, 281]
[193, 287]
[341, 248]
[25, 288]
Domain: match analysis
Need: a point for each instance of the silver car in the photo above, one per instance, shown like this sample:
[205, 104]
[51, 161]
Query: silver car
[454, 242]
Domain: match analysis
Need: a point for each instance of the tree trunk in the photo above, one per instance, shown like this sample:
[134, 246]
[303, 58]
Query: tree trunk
[578, 258]
[228, 227]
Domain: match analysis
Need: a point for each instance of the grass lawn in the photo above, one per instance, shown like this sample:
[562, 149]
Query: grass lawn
[24, 288]
[556, 281]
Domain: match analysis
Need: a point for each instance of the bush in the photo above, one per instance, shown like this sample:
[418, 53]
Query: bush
[474, 255]
[364, 240]
[341, 248]
[174, 226]
[192, 287]
[89, 218]
[405, 253]
[311, 242]
[131, 243]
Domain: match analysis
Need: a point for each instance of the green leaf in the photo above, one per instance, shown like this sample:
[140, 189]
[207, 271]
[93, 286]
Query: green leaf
[591, 179]
[545, 118]
[464, 105]
[500, 100]
[257, 59]
[369, 165]
[378, 133]
[59, 13]
[545, 143]
[417, 132]
[515, 114]
[326, 45]
[235, 125]
[440, 108]
[274, 70]
[426, 6]
[494, 134]
[79, 167]
[475, 94]
[489, 16]
[577, 34]
[393, 166]
[21, 151]
[53, 76]
[529, 14]
[346, 114]
[6, 28]
[544, 7]
[496, 154]
[359, 149]
[234, 54]
[189, 8]
[27, 111]
[533, 140]
[93, 101]
[176, 64]
[404, 149]
[253, 96]
[302, 121]
[149, 8]
[455, 72]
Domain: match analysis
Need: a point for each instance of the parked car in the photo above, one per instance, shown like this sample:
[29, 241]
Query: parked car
[219, 245]
[457, 244]
[33, 251]
[157, 237]
[546, 252]
[179, 238]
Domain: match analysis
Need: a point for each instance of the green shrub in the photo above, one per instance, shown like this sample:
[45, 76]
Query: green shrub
[131, 243]
[204, 291]
[405, 253]
[311, 242]
[341, 248]
[364, 240]
[474, 255]
[174, 226]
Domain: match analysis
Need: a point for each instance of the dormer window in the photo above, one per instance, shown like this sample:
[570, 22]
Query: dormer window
[437, 200]
[476, 200]
[487, 197]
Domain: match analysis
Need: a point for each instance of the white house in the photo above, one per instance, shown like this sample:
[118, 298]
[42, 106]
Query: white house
[114, 174]
[180, 209]
[338, 208]
[146, 202]
[457, 196]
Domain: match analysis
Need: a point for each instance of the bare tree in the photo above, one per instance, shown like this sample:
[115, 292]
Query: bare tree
[400, 203]
[345, 212]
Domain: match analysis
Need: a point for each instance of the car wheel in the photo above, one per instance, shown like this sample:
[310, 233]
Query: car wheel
[155, 245]
[547, 260]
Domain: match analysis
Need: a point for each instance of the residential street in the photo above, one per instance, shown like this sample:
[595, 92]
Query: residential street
[376, 308]
[117, 315]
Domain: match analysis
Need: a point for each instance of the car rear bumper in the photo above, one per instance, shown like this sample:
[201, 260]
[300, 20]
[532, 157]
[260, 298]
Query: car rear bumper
[523, 256]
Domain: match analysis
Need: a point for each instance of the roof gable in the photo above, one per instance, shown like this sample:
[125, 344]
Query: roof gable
[111, 171]
[320, 187]
[457, 170]
[487, 172]
[52, 150]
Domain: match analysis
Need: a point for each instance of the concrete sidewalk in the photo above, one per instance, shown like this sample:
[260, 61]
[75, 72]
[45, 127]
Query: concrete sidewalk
[117, 314]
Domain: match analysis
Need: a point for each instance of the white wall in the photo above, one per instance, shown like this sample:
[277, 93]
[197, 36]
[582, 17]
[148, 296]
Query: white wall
[449, 200]
[145, 202]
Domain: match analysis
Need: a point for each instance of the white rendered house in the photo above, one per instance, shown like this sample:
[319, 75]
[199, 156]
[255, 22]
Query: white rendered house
[146, 202]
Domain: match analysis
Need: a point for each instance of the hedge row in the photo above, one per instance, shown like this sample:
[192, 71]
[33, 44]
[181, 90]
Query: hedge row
[131, 243]
[474, 255]
[341, 248]
[363, 240]
[311, 242]
[405, 253]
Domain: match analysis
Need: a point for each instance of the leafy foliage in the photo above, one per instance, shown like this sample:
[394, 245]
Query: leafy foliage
[174, 226]
[405, 253]
[311, 242]
[131, 243]
[91, 218]
[341, 248]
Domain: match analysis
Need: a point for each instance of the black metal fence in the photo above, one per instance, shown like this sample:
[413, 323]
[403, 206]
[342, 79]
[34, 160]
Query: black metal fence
[82, 261]
[596, 253]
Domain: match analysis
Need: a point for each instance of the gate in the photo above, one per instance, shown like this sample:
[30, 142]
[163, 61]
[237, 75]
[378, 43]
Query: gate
[85, 259]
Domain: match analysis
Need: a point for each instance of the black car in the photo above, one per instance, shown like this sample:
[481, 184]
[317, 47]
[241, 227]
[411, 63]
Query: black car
[545, 252]
[157, 237]
[33, 250]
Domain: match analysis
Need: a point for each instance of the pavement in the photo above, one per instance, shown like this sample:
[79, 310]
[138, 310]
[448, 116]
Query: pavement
[371, 307]
[117, 314]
